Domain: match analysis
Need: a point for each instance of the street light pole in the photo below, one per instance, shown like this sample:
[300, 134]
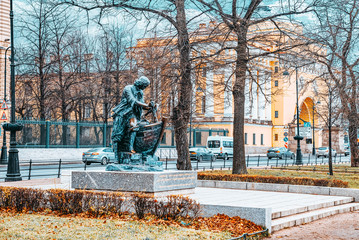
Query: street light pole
[298, 137]
[3, 158]
[13, 168]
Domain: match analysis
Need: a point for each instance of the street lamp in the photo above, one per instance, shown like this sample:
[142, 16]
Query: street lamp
[13, 168]
[313, 151]
[3, 158]
[298, 160]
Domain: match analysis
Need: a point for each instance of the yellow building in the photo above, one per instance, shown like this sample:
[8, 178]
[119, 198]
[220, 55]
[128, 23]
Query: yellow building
[270, 95]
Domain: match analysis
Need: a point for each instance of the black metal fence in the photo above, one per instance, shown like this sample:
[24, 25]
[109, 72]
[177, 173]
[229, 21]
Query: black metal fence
[53, 168]
[71, 134]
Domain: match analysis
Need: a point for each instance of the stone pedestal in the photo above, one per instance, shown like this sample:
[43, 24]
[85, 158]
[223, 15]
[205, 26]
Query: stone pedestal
[146, 182]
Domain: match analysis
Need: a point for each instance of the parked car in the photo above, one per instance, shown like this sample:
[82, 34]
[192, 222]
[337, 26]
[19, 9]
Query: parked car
[280, 152]
[201, 154]
[347, 151]
[324, 152]
[98, 155]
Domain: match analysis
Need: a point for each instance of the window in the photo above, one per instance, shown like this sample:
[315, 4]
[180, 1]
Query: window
[276, 83]
[163, 140]
[262, 139]
[204, 72]
[245, 138]
[203, 104]
[275, 137]
[228, 144]
[254, 139]
[275, 69]
[198, 138]
[87, 111]
[213, 144]
[276, 114]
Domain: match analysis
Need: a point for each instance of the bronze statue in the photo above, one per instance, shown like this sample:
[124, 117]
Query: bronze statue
[135, 139]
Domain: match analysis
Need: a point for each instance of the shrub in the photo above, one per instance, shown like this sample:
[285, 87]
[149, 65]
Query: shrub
[175, 206]
[65, 201]
[272, 179]
[95, 204]
[142, 204]
[100, 203]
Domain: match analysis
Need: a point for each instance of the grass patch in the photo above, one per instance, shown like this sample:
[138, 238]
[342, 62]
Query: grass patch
[38, 226]
[351, 178]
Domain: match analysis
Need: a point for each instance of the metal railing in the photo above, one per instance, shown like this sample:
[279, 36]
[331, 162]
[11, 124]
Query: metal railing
[38, 169]
[52, 168]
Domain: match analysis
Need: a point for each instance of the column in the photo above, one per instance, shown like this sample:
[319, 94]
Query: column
[261, 98]
[209, 92]
[268, 105]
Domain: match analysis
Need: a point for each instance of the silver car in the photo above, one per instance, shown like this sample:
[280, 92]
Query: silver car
[280, 152]
[98, 155]
[324, 152]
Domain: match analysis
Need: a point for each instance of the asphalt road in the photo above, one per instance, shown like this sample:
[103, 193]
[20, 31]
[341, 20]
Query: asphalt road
[50, 169]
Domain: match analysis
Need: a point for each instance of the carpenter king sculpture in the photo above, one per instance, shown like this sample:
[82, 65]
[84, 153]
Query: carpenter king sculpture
[134, 138]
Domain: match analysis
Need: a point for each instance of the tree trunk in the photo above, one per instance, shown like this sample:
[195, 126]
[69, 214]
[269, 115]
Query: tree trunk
[239, 161]
[181, 113]
[353, 136]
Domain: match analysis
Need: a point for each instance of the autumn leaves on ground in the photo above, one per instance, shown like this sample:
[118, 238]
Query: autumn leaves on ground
[49, 226]
[62, 214]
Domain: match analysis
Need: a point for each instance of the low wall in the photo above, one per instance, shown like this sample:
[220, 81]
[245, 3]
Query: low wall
[330, 191]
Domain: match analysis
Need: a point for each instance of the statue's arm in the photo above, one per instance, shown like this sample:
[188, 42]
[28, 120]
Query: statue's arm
[132, 99]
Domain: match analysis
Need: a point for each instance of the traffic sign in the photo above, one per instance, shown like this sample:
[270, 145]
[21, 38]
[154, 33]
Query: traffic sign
[4, 105]
[306, 124]
[3, 116]
[285, 139]
[286, 134]
[286, 144]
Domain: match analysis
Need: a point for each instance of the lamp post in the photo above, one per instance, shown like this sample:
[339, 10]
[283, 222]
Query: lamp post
[313, 151]
[13, 168]
[298, 160]
[3, 158]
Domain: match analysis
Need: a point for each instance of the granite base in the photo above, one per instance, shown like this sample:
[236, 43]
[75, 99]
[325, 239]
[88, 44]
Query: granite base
[147, 182]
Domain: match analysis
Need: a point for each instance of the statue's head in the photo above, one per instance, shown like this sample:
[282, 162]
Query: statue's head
[142, 82]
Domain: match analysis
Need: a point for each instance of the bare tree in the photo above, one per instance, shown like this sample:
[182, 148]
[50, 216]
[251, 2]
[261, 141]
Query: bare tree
[329, 110]
[36, 37]
[239, 16]
[338, 34]
[174, 12]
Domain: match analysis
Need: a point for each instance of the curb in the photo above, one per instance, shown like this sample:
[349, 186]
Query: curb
[273, 187]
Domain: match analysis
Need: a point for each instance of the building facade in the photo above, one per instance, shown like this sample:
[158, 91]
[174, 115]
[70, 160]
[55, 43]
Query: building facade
[270, 106]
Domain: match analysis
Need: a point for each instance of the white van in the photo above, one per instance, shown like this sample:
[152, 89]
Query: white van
[221, 146]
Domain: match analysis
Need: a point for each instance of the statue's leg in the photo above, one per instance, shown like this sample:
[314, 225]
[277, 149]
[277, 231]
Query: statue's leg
[132, 131]
[132, 141]
[115, 150]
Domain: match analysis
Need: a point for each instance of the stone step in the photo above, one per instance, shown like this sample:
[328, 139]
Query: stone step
[283, 211]
[306, 217]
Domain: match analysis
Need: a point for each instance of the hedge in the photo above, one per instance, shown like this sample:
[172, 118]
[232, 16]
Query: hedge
[273, 179]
